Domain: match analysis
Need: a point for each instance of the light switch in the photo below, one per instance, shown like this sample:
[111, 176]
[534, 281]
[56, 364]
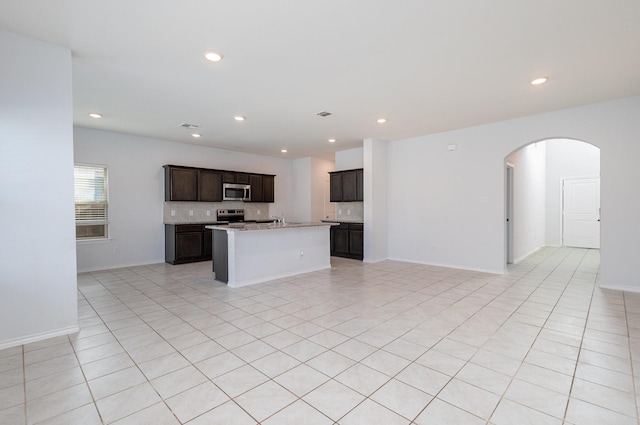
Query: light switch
[484, 199]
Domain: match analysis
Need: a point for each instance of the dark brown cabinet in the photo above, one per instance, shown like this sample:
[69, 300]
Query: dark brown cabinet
[256, 188]
[346, 186]
[181, 184]
[347, 240]
[360, 185]
[262, 187]
[192, 184]
[186, 243]
[356, 240]
[335, 187]
[205, 185]
[210, 186]
[235, 177]
[268, 188]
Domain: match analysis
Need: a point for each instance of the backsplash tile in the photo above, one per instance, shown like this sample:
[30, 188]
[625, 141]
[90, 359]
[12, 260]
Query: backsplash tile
[199, 211]
[350, 211]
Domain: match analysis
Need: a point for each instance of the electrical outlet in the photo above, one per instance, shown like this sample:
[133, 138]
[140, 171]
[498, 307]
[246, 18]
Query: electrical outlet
[339, 212]
[208, 213]
[190, 213]
[258, 212]
[302, 253]
[173, 213]
[348, 212]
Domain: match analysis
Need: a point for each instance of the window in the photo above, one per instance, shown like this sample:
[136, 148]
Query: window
[91, 199]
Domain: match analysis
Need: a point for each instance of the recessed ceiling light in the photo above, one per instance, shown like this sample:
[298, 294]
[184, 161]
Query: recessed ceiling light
[212, 56]
[239, 118]
[539, 81]
[381, 120]
[196, 135]
[283, 150]
[94, 115]
[332, 140]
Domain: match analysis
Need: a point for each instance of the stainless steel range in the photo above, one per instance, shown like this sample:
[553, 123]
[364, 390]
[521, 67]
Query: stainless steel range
[230, 215]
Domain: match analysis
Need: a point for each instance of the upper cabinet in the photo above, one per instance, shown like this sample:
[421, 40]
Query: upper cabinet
[180, 184]
[205, 185]
[262, 187]
[268, 188]
[210, 186]
[346, 186]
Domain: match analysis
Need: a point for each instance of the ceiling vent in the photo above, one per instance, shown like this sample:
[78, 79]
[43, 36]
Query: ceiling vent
[323, 114]
[189, 126]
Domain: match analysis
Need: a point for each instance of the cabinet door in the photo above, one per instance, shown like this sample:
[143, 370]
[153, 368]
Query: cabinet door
[356, 240]
[242, 178]
[210, 186]
[189, 245]
[359, 185]
[228, 177]
[268, 188]
[335, 187]
[183, 184]
[341, 238]
[207, 244]
[349, 186]
[256, 188]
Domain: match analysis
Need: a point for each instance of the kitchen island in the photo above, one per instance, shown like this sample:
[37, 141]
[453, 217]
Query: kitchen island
[249, 253]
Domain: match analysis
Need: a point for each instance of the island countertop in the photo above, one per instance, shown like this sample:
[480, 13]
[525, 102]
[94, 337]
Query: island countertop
[251, 227]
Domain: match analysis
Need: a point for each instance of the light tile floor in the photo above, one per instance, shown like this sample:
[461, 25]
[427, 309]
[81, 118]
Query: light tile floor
[386, 343]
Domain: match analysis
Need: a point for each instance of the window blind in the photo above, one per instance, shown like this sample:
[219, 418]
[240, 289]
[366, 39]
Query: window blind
[91, 201]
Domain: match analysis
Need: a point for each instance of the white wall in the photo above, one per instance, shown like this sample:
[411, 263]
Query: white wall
[301, 192]
[319, 184]
[349, 159]
[38, 287]
[529, 199]
[566, 158]
[136, 190]
[435, 211]
[376, 201]
[309, 187]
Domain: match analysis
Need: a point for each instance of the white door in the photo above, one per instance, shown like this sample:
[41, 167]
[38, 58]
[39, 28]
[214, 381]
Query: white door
[581, 213]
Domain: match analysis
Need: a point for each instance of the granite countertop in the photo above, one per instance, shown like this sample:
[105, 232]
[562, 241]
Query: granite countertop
[343, 221]
[209, 222]
[243, 227]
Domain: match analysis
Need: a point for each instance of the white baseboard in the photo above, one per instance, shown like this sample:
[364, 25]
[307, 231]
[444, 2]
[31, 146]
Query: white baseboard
[632, 289]
[38, 337]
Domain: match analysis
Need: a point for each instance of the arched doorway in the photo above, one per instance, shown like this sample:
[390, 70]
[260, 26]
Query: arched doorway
[536, 176]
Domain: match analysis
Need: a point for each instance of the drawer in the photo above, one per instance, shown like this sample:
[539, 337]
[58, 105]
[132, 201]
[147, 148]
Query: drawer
[181, 228]
[356, 226]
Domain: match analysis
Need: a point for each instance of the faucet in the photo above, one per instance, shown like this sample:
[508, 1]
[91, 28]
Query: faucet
[279, 220]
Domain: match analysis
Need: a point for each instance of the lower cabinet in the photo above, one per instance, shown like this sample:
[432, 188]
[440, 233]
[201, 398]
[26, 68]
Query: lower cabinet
[186, 243]
[347, 240]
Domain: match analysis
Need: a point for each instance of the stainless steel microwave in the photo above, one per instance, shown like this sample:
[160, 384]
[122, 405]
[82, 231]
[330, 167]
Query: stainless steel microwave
[236, 192]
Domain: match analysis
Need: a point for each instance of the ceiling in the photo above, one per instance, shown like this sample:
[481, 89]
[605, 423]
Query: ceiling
[426, 66]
